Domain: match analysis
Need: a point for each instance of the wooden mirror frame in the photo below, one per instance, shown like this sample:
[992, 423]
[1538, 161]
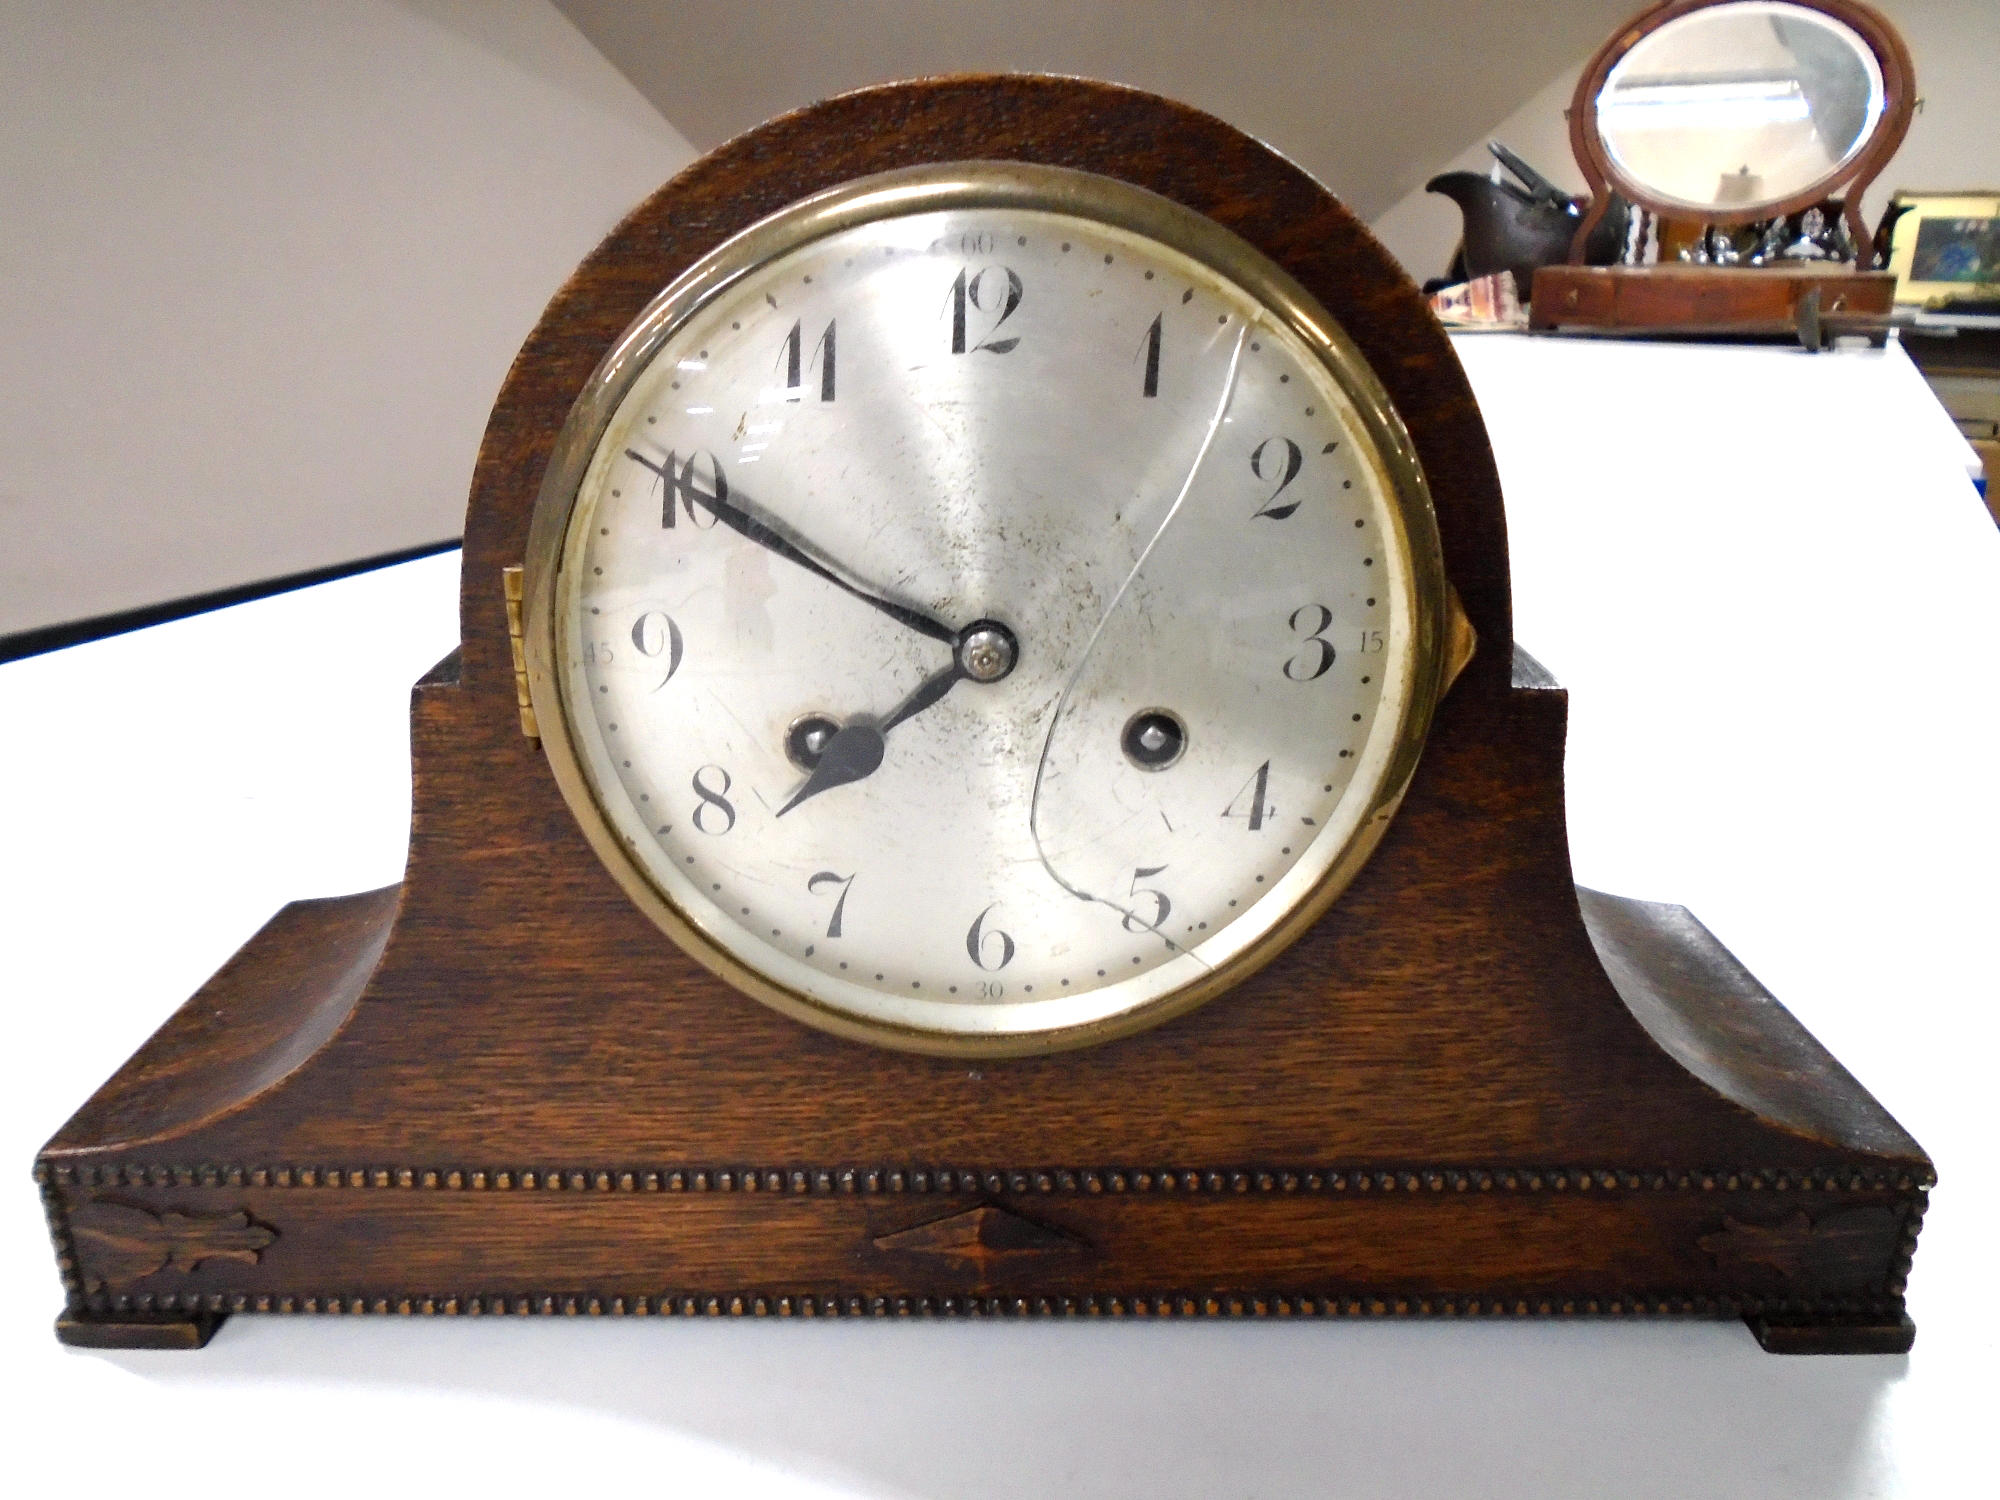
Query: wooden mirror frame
[1899, 104]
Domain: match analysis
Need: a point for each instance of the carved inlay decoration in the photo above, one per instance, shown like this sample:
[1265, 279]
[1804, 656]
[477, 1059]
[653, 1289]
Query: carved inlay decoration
[125, 1241]
[982, 1238]
[1855, 1239]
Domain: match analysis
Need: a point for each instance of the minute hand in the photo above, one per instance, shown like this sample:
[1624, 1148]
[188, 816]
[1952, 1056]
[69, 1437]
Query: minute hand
[767, 535]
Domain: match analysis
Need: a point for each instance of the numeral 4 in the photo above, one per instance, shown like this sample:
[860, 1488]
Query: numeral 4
[1252, 804]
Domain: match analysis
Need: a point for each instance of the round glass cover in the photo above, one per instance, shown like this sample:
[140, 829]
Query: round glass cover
[976, 626]
[1740, 106]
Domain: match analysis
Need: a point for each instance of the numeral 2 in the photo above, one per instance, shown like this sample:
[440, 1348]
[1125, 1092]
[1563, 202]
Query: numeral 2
[1264, 460]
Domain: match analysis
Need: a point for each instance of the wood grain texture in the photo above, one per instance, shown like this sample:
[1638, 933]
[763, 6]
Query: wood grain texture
[1436, 1102]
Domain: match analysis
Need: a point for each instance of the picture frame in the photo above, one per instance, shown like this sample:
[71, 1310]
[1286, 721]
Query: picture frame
[1945, 246]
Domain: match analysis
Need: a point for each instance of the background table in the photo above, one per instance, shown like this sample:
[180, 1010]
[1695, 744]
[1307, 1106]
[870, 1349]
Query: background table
[1775, 599]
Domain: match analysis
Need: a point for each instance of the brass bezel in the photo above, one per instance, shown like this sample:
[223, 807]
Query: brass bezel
[1442, 635]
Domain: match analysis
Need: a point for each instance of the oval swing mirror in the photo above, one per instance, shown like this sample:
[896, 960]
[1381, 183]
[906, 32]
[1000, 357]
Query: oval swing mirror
[1741, 107]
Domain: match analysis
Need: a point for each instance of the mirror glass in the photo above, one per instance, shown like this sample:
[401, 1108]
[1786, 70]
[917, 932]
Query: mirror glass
[1740, 106]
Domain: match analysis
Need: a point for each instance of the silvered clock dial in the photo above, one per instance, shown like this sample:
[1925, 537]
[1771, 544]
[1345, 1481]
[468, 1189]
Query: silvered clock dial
[985, 609]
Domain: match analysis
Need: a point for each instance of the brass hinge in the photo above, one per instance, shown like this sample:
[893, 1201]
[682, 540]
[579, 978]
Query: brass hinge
[510, 583]
[1460, 639]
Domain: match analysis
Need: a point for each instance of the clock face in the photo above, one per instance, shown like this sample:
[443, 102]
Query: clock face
[981, 620]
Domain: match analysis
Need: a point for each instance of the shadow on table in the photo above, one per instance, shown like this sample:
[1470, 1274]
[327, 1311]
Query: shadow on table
[948, 1410]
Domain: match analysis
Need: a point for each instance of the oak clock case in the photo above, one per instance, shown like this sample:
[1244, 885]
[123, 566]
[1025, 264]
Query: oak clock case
[1442, 1082]
[1168, 620]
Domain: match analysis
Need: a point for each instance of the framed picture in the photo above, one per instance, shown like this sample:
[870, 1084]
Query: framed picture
[1946, 247]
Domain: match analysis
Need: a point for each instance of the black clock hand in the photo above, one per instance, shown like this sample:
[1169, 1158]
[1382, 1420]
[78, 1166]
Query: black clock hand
[766, 534]
[855, 751]
[927, 692]
[984, 651]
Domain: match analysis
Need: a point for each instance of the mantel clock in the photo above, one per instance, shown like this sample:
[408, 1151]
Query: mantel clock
[987, 774]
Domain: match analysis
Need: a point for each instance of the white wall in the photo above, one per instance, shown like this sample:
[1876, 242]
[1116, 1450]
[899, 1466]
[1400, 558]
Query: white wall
[262, 267]
[1365, 94]
[1954, 142]
[264, 262]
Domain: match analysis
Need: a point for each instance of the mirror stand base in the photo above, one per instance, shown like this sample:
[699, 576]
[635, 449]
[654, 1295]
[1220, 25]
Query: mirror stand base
[1687, 300]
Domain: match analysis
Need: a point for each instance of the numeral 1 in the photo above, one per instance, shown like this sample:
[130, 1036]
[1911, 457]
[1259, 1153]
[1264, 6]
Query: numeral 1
[1152, 387]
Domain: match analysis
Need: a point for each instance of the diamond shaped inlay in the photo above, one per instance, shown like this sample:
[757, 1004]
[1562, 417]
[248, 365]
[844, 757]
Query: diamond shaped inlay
[982, 1238]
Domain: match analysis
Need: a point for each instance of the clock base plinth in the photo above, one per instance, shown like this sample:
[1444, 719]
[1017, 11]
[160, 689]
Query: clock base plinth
[159, 1243]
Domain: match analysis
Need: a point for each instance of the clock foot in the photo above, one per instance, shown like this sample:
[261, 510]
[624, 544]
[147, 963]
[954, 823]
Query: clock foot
[1833, 1338]
[188, 1331]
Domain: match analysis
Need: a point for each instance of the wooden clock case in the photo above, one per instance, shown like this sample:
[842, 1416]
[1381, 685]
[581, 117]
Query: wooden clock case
[1470, 1090]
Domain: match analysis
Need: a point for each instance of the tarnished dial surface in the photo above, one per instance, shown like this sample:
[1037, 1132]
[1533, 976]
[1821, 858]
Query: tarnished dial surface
[980, 628]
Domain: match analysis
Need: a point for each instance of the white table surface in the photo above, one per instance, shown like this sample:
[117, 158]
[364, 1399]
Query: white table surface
[1775, 600]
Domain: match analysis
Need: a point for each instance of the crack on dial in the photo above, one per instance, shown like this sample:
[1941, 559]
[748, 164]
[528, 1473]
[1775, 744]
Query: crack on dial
[1215, 422]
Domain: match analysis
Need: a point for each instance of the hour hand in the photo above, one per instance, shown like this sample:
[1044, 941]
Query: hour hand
[853, 753]
[773, 536]
[982, 652]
